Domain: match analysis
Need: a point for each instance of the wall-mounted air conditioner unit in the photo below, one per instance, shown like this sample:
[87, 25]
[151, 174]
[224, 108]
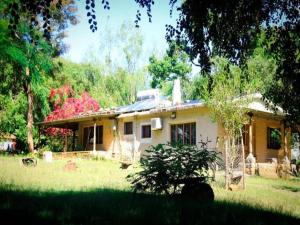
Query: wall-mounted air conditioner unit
[156, 123]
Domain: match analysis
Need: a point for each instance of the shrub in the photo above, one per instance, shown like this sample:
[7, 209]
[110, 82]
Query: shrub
[167, 167]
[42, 150]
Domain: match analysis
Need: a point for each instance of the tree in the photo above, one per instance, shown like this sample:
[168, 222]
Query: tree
[174, 64]
[285, 91]
[65, 105]
[31, 60]
[109, 90]
[230, 29]
[49, 16]
[120, 48]
[227, 28]
[30, 54]
[131, 42]
[228, 98]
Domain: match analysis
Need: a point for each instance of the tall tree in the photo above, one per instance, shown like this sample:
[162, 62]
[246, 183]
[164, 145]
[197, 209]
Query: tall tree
[228, 98]
[174, 64]
[131, 42]
[113, 89]
[30, 61]
[228, 28]
[30, 54]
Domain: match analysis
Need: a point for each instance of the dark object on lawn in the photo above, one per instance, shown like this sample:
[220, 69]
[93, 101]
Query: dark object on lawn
[197, 189]
[70, 166]
[29, 162]
[125, 165]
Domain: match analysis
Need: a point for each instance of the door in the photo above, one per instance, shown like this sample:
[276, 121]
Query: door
[88, 137]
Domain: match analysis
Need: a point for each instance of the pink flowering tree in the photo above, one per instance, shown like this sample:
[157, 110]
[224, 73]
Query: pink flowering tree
[65, 106]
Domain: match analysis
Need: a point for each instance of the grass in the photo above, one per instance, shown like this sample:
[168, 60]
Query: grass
[98, 193]
[91, 174]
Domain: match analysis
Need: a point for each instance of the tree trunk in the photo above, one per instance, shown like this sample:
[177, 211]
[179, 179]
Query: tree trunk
[29, 114]
[226, 164]
[243, 158]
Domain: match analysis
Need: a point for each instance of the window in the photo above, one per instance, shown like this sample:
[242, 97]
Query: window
[88, 135]
[274, 138]
[146, 131]
[128, 128]
[184, 133]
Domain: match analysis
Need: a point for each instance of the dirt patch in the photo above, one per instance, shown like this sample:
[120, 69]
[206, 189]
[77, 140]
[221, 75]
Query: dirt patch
[70, 166]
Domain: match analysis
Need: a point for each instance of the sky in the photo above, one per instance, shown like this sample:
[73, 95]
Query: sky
[82, 40]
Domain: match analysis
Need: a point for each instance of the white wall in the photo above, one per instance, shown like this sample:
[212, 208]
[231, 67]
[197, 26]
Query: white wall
[205, 129]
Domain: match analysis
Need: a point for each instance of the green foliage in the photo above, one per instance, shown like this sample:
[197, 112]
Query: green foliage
[284, 46]
[230, 29]
[166, 167]
[174, 64]
[276, 135]
[42, 150]
[114, 89]
[55, 143]
[112, 81]
[13, 116]
[197, 86]
[225, 100]
[26, 50]
[120, 49]
[230, 88]
[131, 43]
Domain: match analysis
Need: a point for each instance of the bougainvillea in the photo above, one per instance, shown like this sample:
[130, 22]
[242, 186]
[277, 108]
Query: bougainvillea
[59, 95]
[65, 106]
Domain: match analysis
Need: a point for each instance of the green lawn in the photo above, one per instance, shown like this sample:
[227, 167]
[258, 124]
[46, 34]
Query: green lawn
[98, 193]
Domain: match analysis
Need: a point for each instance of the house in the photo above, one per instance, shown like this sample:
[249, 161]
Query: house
[7, 142]
[125, 132]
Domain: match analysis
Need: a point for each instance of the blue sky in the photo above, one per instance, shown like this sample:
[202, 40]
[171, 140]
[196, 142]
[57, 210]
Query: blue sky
[80, 38]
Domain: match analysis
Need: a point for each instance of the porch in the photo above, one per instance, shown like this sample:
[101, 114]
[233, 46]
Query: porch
[267, 145]
[92, 135]
[266, 138]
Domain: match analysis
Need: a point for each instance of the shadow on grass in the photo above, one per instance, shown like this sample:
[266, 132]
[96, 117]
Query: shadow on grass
[288, 188]
[122, 207]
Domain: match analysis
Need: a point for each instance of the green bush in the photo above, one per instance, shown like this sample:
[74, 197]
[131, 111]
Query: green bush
[166, 167]
[41, 151]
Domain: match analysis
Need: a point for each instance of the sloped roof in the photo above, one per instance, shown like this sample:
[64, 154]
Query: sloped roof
[149, 106]
[259, 105]
[7, 136]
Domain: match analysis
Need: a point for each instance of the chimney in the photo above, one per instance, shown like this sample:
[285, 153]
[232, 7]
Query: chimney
[176, 95]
